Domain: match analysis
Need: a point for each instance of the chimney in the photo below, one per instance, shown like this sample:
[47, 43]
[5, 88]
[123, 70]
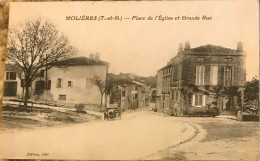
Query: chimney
[187, 45]
[239, 46]
[91, 56]
[180, 47]
[97, 56]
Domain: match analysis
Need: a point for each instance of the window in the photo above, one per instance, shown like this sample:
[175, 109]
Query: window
[134, 95]
[41, 74]
[179, 72]
[200, 59]
[59, 83]
[213, 75]
[228, 59]
[135, 88]
[62, 97]
[123, 93]
[116, 86]
[214, 59]
[228, 76]
[198, 100]
[200, 72]
[10, 76]
[69, 83]
[177, 95]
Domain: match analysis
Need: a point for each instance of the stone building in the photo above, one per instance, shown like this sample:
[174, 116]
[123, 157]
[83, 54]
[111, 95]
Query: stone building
[200, 78]
[130, 95]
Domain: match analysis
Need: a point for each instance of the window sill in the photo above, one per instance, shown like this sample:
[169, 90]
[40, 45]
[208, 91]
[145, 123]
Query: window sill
[198, 106]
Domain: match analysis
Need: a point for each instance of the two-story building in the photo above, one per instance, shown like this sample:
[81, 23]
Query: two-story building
[199, 77]
[69, 81]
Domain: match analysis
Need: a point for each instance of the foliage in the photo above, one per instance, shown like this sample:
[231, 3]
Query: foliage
[251, 95]
[251, 107]
[80, 107]
[36, 44]
[252, 90]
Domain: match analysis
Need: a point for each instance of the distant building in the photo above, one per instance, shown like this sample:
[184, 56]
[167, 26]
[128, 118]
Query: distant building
[188, 83]
[130, 95]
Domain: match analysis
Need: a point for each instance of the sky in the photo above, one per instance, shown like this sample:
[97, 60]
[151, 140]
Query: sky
[144, 46]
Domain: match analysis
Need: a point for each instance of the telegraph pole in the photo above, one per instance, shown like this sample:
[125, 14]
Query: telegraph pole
[46, 75]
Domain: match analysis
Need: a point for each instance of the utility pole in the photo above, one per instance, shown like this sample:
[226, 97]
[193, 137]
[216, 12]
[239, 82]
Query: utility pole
[46, 74]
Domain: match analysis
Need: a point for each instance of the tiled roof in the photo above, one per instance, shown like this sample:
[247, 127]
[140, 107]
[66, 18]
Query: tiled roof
[80, 61]
[213, 49]
[9, 67]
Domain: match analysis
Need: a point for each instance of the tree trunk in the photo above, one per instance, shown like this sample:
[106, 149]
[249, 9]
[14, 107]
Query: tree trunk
[105, 100]
[101, 101]
[26, 95]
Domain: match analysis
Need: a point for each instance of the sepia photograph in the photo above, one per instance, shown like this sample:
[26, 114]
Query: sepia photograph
[131, 80]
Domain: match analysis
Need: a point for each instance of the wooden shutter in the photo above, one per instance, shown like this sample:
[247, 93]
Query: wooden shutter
[213, 75]
[193, 100]
[203, 74]
[204, 100]
[197, 75]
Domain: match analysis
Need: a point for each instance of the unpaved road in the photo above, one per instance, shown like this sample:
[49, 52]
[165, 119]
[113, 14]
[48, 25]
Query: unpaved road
[137, 135]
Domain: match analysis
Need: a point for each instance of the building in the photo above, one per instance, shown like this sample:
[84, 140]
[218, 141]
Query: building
[69, 81]
[197, 79]
[11, 81]
[130, 94]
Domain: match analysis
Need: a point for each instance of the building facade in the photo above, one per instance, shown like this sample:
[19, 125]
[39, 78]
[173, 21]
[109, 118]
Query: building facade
[202, 78]
[69, 81]
[11, 81]
[130, 95]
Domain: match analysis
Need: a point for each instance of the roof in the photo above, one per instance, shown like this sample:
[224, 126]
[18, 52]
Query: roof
[80, 61]
[206, 49]
[137, 83]
[166, 66]
[10, 67]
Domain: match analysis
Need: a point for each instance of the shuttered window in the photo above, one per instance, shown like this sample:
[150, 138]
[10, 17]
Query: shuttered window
[228, 76]
[200, 73]
[213, 75]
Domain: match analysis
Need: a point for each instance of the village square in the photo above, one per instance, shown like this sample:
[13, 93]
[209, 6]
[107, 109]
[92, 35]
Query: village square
[69, 94]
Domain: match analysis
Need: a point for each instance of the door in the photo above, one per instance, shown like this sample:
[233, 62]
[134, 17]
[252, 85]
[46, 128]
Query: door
[10, 88]
[39, 87]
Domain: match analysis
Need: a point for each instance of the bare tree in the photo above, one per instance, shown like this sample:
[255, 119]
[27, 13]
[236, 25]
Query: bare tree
[35, 45]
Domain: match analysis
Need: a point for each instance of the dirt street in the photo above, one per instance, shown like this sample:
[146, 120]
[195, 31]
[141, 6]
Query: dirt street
[138, 135]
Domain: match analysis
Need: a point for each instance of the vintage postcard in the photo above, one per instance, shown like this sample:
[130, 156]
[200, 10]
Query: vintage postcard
[133, 80]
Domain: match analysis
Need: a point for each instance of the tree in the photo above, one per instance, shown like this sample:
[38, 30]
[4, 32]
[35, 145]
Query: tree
[106, 85]
[252, 90]
[251, 96]
[34, 45]
[101, 84]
